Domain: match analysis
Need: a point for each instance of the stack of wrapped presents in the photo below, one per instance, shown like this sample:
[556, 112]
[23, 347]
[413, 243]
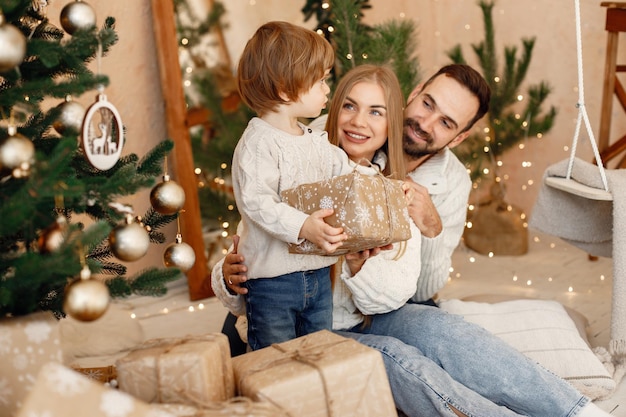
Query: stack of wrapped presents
[318, 375]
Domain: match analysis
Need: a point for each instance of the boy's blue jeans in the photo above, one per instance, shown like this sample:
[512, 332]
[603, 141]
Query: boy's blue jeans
[288, 306]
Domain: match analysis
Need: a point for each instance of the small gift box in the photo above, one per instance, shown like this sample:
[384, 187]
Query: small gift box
[371, 209]
[26, 344]
[102, 374]
[318, 375]
[60, 391]
[193, 370]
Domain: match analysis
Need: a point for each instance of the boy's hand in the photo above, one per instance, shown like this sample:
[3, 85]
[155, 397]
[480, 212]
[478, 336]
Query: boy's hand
[317, 231]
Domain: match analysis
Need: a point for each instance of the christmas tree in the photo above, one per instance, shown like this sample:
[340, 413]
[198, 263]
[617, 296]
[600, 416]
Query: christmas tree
[62, 172]
[495, 226]
[392, 42]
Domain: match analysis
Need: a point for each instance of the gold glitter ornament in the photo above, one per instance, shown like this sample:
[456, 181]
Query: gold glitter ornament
[167, 197]
[129, 241]
[52, 237]
[76, 16]
[179, 255]
[71, 116]
[12, 45]
[17, 153]
[86, 299]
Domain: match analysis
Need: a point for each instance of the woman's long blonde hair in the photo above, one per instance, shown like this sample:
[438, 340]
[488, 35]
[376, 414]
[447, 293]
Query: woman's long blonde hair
[387, 80]
[395, 167]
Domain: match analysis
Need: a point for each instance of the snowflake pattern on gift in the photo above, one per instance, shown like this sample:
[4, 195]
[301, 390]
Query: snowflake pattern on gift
[66, 382]
[342, 214]
[6, 341]
[95, 374]
[326, 202]
[20, 361]
[362, 216]
[6, 391]
[306, 246]
[38, 332]
[380, 213]
[116, 404]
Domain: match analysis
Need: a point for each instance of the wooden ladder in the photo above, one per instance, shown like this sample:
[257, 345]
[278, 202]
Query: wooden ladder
[615, 23]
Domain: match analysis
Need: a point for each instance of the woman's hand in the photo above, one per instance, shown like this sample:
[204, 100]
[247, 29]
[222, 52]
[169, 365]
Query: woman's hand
[356, 260]
[234, 271]
[422, 210]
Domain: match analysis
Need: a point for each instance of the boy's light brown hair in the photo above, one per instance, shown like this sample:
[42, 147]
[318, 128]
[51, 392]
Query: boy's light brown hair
[281, 58]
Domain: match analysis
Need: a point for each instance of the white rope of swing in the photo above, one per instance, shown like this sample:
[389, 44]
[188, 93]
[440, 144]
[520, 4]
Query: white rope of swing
[582, 111]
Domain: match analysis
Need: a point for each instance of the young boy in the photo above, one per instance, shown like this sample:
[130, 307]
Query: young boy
[282, 77]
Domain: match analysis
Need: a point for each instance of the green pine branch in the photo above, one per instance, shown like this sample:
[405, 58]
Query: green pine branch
[507, 123]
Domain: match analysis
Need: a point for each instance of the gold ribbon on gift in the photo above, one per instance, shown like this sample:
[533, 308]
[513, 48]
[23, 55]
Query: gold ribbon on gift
[303, 354]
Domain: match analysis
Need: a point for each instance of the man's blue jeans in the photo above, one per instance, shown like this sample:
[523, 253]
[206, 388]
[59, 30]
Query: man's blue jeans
[435, 360]
[288, 306]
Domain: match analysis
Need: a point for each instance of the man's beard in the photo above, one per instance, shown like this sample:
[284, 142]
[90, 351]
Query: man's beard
[413, 149]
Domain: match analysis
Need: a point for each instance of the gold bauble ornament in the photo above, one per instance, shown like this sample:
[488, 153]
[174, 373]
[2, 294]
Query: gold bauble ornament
[129, 241]
[86, 299]
[167, 197]
[179, 255]
[12, 45]
[76, 16]
[17, 153]
[52, 237]
[71, 116]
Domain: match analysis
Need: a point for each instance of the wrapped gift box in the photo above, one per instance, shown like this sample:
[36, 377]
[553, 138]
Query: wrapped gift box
[26, 344]
[318, 375]
[372, 210]
[102, 374]
[60, 391]
[193, 370]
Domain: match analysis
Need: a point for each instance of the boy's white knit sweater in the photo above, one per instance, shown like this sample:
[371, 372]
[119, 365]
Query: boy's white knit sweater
[266, 161]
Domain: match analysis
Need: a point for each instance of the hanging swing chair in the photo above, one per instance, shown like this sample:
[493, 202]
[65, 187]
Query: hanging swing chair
[585, 205]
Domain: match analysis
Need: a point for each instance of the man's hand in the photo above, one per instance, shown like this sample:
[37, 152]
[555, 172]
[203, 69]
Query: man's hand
[234, 271]
[422, 210]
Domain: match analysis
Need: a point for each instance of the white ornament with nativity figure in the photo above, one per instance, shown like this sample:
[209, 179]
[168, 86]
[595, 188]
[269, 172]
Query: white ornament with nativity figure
[102, 133]
[12, 45]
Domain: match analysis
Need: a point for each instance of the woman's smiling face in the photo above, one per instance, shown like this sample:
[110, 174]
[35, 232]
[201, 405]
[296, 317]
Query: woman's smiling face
[362, 121]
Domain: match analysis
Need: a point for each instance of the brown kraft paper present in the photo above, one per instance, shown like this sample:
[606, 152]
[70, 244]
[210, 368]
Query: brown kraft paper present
[318, 375]
[372, 210]
[192, 370]
[26, 344]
